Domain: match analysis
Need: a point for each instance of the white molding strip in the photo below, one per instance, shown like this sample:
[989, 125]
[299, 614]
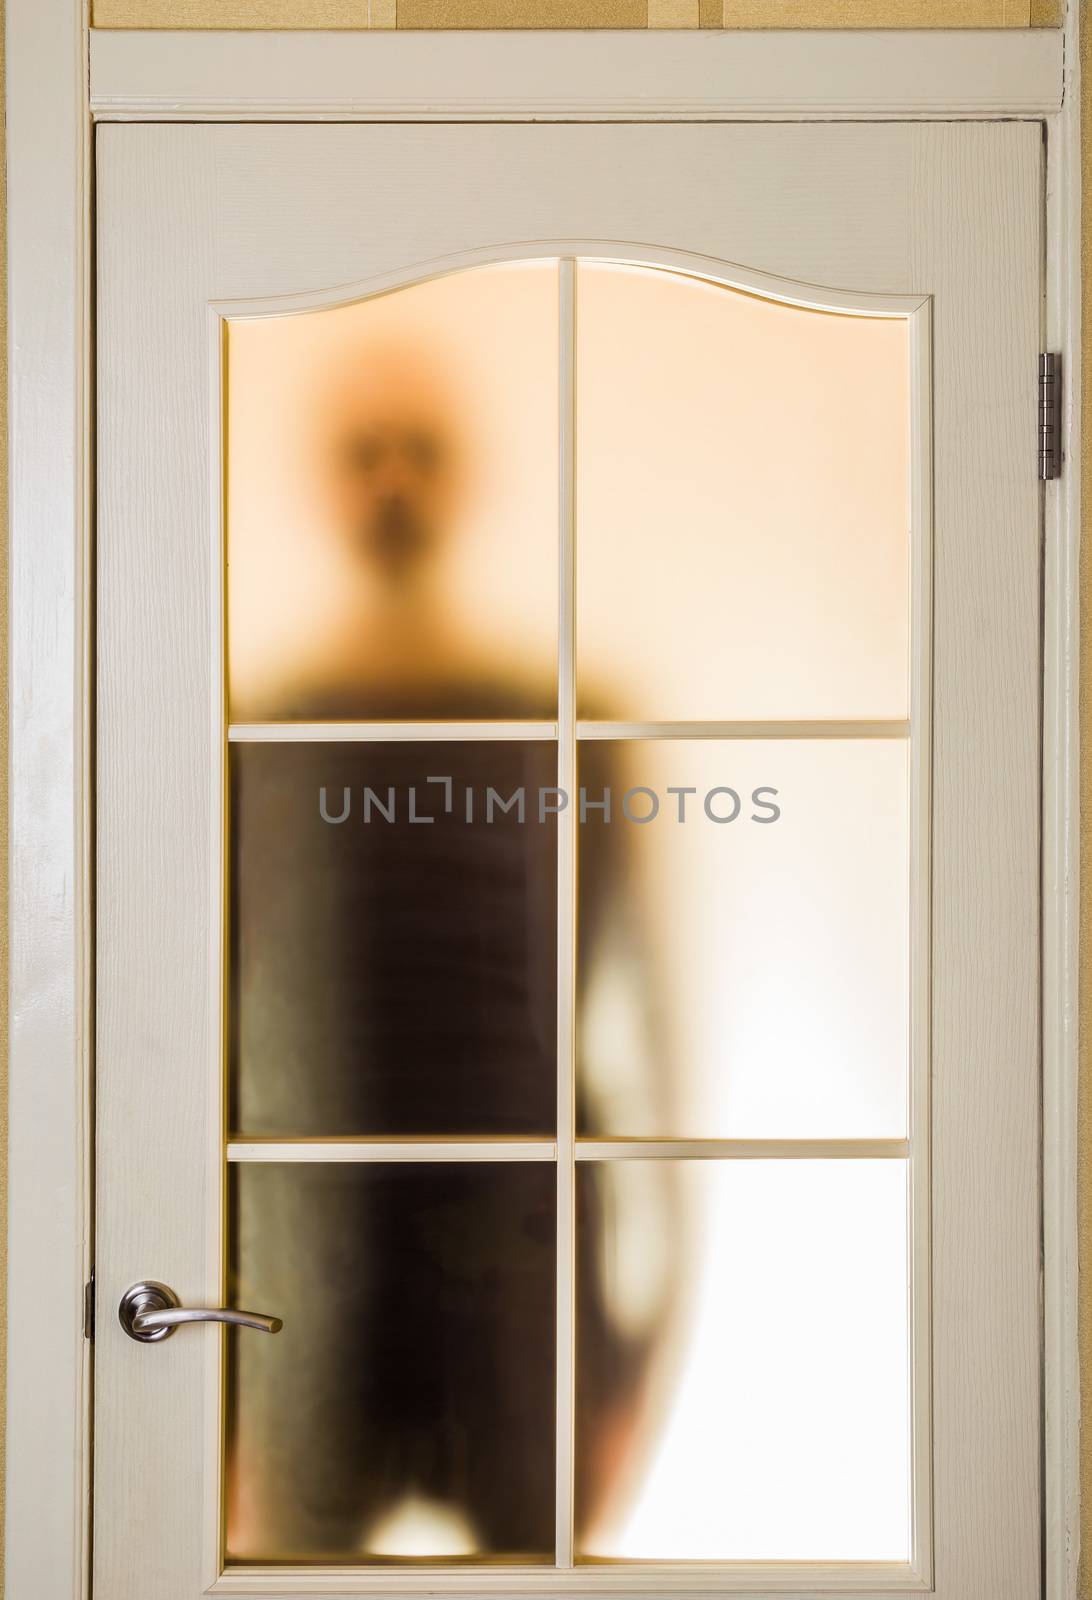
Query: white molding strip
[664, 74]
[743, 730]
[47, 1486]
[386, 732]
[1062, 852]
[305, 1151]
[493, 732]
[588, 1581]
[567, 777]
[742, 1149]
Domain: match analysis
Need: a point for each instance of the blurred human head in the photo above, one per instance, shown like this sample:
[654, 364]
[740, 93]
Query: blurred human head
[392, 462]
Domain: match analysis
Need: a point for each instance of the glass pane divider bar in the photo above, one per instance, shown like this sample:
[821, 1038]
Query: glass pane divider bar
[565, 1353]
[436, 732]
[377, 732]
[742, 1149]
[774, 729]
[301, 1151]
[390, 1150]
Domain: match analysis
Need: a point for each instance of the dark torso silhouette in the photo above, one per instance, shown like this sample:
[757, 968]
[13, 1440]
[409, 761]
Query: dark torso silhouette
[396, 979]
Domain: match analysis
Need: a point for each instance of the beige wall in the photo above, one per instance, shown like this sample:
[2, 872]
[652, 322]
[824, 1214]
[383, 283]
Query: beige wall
[622, 14]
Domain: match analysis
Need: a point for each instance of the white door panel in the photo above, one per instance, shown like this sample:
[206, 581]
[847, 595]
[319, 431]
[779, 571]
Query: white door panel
[942, 225]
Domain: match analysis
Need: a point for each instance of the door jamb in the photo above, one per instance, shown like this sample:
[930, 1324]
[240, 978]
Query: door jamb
[1061, 846]
[50, 117]
[48, 1419]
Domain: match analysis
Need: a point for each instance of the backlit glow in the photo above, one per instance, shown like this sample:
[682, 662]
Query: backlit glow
[775, 1419]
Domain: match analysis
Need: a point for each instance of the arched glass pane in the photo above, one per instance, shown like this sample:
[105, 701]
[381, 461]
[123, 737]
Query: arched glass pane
[742, 504]
[392, 504]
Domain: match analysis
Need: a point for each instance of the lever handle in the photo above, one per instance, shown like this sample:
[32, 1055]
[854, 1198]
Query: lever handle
[151, 1311]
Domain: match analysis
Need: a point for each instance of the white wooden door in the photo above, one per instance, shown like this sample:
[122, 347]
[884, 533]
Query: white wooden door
[650, 1205]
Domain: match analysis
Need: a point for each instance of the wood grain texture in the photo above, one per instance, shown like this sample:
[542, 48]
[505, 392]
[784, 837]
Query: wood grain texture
[242, 212]
[567, 75]
[985, 933]
[155, 1066]
[49, 1079]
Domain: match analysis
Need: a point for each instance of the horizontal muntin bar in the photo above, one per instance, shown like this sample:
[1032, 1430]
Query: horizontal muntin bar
[742, 1149]
[656, 1579]
[376, 732]
[743, 730]
[365, 1150]
[350, 1150]
[436, 732]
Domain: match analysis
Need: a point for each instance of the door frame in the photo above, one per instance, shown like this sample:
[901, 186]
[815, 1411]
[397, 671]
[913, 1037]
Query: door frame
[63, 77]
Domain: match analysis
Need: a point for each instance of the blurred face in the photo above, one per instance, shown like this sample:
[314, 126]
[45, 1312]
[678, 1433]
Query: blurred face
[393, 470]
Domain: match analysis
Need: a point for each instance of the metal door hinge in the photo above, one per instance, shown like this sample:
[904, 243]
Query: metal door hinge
[1050, 396]
[89, 1307]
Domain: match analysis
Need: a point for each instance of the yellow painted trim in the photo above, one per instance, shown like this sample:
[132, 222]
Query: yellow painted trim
[229, 13]
[877, 13]
[575, 13]
[673, 13]
[260, 14]
[470, 14]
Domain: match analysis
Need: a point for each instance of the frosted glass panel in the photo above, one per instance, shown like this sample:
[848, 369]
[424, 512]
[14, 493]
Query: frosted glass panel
[396, 921]
[742, 504]
[405, 1411]
[745, 978]
[391, 975]
[763, 1411]
[392, 504]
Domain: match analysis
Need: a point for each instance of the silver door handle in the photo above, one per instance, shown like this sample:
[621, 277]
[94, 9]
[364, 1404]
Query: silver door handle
[150, 1311]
